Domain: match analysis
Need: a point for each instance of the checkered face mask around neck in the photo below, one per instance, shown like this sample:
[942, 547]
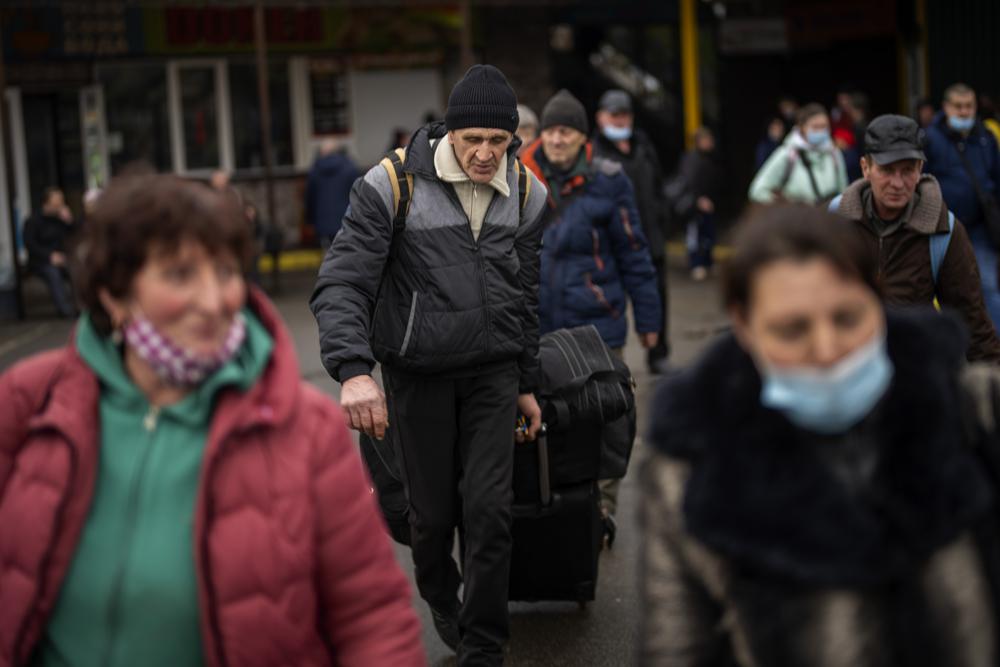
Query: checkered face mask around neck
[175, 364]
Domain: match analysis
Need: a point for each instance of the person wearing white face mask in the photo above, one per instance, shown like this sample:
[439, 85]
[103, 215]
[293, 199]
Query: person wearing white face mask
[963, 156]
[618, 139]
[827, 470]
[807, 168]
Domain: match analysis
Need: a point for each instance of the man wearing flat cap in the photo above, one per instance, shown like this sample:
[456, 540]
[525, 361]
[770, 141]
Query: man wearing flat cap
[447, 303]
[923, 251]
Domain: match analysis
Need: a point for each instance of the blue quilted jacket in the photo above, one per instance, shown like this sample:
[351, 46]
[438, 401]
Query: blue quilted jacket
[593, 251]
[945, 164]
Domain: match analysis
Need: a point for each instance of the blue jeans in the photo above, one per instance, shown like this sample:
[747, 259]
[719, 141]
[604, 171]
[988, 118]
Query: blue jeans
[55, 278]
[701, 240]
[986, 258]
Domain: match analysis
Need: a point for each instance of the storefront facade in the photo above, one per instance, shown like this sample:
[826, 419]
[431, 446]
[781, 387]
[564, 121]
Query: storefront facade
[95, 87]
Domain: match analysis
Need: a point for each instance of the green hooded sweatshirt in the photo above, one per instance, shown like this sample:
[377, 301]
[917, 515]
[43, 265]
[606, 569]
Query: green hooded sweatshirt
[130, 596]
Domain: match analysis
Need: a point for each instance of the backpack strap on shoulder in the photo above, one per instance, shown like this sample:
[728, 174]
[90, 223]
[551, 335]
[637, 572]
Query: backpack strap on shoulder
[834, 204]
[402, 187]
[790, 160]
[523, 183]
[939, 247]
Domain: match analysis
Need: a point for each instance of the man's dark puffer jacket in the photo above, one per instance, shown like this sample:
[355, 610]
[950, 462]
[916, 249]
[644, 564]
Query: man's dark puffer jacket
[447, 303]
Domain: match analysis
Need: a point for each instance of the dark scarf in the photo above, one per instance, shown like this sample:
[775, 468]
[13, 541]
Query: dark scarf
[887, 227]
[562, 182]
[761, 493]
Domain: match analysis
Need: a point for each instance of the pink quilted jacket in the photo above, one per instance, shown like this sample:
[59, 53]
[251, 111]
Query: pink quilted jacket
[294, 565]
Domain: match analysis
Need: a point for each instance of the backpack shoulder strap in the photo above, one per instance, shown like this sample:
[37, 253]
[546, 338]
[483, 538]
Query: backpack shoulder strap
[402, 187]
[523, 182]
[790, 160]
[939, 247]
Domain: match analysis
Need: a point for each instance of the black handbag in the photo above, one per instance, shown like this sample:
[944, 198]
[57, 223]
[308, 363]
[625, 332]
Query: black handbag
[383, 468]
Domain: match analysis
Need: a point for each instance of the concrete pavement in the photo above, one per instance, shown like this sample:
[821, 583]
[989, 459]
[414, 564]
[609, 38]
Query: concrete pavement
[542, 634]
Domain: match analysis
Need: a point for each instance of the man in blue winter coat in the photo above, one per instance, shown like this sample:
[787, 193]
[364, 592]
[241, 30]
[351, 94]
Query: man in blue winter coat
[956, 144]
[328, 190]
[594, 253]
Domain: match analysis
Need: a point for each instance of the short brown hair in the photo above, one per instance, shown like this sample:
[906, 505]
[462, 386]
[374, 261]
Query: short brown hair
[139, 212]
[795, 232]
[810, 110]
[957, 89]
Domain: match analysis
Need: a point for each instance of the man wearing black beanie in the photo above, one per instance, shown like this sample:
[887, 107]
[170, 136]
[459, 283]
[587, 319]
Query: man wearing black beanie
[434, 274]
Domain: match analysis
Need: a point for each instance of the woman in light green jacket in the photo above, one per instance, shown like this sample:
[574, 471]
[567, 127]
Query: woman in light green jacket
[806, 168]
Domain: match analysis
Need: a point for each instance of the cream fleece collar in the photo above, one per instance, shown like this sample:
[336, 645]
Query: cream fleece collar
[450, 171]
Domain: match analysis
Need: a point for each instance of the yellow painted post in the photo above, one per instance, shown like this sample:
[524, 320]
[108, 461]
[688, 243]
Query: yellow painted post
[690, 85]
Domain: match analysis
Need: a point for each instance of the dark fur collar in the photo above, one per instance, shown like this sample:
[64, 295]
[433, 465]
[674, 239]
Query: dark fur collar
[759, 493]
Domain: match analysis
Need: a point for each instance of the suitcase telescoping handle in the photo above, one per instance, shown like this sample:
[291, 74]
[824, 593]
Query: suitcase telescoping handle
[544, 488]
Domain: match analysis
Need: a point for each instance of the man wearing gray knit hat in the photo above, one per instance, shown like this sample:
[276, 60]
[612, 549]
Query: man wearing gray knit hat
[595, 258]
[434, 274]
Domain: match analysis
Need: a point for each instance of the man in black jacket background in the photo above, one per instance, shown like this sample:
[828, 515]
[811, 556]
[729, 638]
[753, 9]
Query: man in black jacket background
[448, 304]
[45, 237]
[618, 139]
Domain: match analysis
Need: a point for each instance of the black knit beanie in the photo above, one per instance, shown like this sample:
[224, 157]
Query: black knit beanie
[564, 109]
[483, 98]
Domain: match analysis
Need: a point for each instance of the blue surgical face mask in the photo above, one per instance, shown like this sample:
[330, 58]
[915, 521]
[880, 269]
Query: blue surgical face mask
[615, 133]
[830, 400]
[961, 124]
[818, 138]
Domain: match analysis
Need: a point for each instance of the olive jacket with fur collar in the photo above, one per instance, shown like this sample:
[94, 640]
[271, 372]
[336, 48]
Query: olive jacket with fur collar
[904, 261]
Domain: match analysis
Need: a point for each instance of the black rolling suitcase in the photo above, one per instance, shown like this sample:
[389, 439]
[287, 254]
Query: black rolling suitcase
[556, 536]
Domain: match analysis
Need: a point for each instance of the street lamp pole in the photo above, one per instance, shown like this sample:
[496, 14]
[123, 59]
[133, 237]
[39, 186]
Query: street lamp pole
[260, 38]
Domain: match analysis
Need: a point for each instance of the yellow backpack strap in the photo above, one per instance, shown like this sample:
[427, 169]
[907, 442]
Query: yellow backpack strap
[402, 187]
[523, 183]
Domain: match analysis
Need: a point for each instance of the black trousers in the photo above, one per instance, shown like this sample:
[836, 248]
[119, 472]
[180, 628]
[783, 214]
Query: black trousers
[456, 441]
[662, 348]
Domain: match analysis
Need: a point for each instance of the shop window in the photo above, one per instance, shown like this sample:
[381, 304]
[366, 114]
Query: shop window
[245, 104]
[135, 103]
[328, 90]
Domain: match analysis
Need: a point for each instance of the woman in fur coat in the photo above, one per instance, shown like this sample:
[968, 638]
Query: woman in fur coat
[821, 490]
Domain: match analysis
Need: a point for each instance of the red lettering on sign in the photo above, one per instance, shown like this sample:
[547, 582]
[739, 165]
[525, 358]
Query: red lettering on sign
[313, 19]
[217, 26]
[183, 26]
[243, 25]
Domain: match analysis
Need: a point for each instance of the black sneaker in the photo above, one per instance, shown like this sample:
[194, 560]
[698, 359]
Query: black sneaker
[659, 367]
[446, 625]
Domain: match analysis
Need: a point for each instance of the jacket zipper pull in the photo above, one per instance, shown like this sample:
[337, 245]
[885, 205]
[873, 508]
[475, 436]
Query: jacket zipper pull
[149, 421]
